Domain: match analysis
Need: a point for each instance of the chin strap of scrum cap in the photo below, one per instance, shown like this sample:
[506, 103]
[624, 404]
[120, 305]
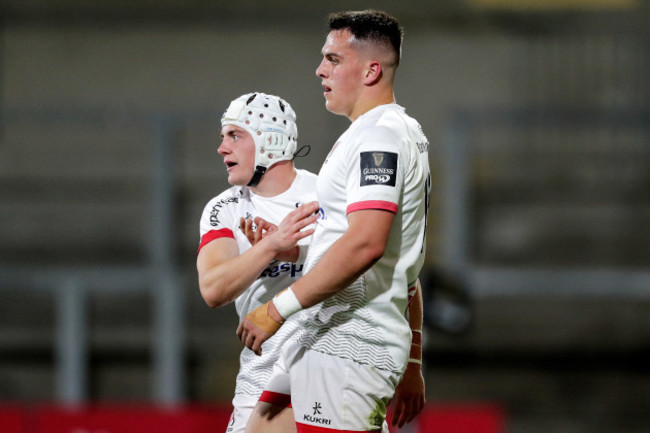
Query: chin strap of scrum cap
[257, 176]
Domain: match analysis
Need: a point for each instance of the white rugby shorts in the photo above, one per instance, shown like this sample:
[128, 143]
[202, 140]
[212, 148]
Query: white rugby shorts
[330, 393]
[242, 408]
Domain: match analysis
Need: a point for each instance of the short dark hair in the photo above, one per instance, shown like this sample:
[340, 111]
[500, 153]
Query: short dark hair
[370, 25]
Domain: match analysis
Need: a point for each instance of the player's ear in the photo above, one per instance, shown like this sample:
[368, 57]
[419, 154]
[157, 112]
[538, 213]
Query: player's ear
[373, 73]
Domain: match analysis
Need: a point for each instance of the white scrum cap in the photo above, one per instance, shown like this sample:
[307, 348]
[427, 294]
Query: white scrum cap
[271, 122]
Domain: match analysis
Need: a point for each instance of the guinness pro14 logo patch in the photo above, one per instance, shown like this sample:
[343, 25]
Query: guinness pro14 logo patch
[378, 168]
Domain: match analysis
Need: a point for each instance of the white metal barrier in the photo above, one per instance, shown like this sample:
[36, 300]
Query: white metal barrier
[457, 210]
[159, 276]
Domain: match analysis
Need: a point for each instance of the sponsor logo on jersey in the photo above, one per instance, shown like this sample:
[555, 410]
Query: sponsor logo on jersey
[214, 213]
[313, 418]
[275, 271]
[378, 168]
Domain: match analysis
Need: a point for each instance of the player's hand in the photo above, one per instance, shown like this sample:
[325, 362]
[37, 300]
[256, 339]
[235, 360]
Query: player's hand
[253, 235]
[258, 326]
[408, 400]
[292, 228]
[263, 229]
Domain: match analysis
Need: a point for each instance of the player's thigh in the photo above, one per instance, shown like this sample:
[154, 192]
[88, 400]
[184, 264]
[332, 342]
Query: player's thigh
[273, 413]
[270, 418]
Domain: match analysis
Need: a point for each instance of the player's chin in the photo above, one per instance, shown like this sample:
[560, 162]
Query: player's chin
[331, 107]
[237, 179]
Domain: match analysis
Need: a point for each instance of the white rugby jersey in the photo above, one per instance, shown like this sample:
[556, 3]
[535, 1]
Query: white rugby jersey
[220, 218]
[380, 162]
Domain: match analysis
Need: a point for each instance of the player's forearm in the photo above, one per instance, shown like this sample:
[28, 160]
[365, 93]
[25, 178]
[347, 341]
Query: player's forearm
[223, 283]
[344, 262]
[416, 309]
[360, 247]
[291, 255]
[416, 319]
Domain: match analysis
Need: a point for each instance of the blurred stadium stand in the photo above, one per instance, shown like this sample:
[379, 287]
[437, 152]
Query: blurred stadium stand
[537, 285]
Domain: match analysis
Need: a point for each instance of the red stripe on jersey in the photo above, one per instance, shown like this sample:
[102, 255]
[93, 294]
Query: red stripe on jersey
[276, 398]
[306, 428]
[372, 204]
[215, 234]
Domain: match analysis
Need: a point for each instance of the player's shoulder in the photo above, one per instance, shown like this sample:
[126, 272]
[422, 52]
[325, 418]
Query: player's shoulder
[307, 176]
[304, 186]
[384, 123]
[393, 125]
[228, 198]
[397, 120]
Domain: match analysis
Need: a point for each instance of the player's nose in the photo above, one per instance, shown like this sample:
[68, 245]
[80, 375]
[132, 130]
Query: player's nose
[320, 70]
[223, 148]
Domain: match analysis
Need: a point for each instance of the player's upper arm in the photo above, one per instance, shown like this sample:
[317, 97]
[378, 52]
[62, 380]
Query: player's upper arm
[371, 228]
[212, 255]
[216, 252]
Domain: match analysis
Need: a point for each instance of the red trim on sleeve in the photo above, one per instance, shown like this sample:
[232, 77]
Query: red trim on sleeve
[372, 204]
[307, 428]
[215, 234]
[276, 398]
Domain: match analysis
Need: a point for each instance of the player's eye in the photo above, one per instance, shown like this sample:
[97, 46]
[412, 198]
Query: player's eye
[332, 59]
